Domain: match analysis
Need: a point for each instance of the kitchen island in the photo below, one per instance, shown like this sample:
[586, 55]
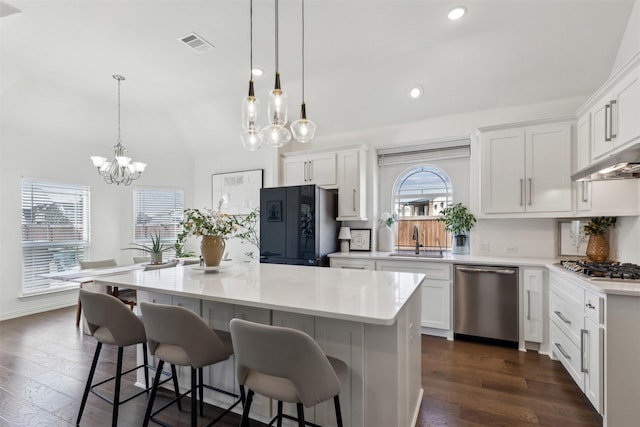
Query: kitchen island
[368, 319]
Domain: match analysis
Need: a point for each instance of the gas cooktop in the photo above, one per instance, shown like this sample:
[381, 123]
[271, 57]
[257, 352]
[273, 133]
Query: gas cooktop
[603, 270]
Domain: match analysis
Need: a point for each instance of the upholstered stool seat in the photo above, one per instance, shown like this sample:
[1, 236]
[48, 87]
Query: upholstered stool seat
[287, 365]
[179, 336]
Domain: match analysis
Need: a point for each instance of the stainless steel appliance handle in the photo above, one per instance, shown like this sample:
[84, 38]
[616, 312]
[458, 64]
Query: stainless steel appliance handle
[486, 270]
[561, 316]
[564, 353]
[583, 362]
[612, 122]
[528, 304]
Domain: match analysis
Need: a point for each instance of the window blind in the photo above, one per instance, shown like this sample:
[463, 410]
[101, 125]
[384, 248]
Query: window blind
[424, 153]
[157, 211]
[55, 231]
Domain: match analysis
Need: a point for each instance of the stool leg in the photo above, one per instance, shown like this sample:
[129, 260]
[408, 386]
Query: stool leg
[174, 375]
[244, 422]
[156, 381]
[279, 422]
[201, 391]
[194, 406]
[300, 414]
[336, 402]
[116, 392]
[78, 312]
[145, 359]
[88, 386]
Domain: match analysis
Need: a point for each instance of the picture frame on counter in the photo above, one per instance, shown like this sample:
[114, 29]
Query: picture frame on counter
[360, 239]
[571, 239]
[236, 193]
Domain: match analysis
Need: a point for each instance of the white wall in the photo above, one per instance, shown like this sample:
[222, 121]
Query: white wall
[54, 158]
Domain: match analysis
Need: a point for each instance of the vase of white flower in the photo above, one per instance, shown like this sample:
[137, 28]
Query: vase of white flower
[385, 232]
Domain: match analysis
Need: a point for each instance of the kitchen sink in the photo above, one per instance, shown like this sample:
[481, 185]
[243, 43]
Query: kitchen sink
[422, 254]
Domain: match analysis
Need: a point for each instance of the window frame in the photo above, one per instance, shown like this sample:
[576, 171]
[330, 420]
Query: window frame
[152, 197]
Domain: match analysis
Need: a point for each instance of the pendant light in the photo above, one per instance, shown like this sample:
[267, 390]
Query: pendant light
[303, 129]
[250, 104]
[119, 170]
[275, 134]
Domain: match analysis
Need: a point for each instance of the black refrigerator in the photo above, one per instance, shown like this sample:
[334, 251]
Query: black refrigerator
[298, 225]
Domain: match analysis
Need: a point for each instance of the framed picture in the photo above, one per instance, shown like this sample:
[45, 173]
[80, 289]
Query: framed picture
[571, 238]
[274, 211]
[236, 193]
[360, 239]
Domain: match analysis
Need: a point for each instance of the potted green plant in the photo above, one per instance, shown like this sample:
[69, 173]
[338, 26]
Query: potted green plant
[458, 221]
[214, 227]
[155, 249]
[598, 246]
[248, 232]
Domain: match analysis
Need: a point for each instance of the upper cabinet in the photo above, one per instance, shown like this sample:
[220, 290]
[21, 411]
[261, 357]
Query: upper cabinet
[319, 169]
[344, 170]
[526, 169]
[613, 112]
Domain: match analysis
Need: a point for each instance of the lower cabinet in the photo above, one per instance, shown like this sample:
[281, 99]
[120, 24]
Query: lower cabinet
[436, 292]
[577, 335]
[532, 317]
[353, 264]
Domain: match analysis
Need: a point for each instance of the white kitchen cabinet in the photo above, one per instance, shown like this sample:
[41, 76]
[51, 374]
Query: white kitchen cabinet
[577, 335]
[583, 141]
[614, 197]
[436, 292]
[352, 189]
[526, 169]
[319, 169]
[353, 264]
[533, 302]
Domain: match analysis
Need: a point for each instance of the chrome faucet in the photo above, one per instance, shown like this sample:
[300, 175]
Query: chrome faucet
[416, 237]
[439, 245]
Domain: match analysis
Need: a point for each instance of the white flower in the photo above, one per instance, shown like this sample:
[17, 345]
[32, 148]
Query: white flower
[388, 218]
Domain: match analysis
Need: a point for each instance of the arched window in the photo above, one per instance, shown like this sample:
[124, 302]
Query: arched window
[419, 195]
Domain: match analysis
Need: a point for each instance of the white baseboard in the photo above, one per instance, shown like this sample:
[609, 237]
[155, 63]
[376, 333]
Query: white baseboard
[35, 310]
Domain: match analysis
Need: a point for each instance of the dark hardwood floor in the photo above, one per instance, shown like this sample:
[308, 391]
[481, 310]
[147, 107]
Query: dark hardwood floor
[44, 363]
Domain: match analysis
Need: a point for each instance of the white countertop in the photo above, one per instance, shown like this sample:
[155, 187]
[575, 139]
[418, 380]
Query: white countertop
[449, 258]
[609, 287]
[364, 296]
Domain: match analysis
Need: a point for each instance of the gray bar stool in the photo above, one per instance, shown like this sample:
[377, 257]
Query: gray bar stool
[287, 365]
[179, 336]
[111, 322]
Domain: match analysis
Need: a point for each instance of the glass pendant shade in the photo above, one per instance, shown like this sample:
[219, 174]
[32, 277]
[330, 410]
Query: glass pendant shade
[277, 106]
[275, 135]
[250, 110]
[251, 140]
[303, 130]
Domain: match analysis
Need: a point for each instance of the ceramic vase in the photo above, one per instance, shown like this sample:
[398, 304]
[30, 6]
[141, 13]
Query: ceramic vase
[385, 239]
[212, 249]
[156, 258]
[597, 247]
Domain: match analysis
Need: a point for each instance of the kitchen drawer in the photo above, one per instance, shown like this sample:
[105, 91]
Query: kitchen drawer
[594, 307]
[570, 292]
[431, 270]
[567, 317]
[568, 353]
[353, 264]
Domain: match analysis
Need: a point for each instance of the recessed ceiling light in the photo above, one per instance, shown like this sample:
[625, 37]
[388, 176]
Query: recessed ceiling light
[457, 13]
[257, 72]
[415, 91]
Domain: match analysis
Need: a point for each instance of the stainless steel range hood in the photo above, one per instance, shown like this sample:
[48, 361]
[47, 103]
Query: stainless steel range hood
[622, 165]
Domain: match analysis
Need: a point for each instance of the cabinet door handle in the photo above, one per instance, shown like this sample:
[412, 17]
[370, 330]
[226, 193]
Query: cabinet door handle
[613, 122]
[591, 306]
[530, 190]
[310, 171]
[564, 353]
[528, 304]
[521, 191]
[607, 116]
[583, 350]
[561, 316]
[348, 267]
[305, 171]
[585, 198]
[354, 199]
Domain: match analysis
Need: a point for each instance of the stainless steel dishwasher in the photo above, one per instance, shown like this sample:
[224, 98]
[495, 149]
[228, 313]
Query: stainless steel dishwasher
[486, 302]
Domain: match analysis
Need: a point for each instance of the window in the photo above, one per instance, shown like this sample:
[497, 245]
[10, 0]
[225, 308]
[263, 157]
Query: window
[157, 211]
[420, 194]
[55, 231]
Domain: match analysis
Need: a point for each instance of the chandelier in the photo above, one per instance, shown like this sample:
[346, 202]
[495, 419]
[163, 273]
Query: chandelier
[119, 170]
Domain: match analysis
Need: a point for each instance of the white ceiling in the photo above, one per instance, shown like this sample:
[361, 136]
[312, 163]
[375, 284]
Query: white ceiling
[361, 56]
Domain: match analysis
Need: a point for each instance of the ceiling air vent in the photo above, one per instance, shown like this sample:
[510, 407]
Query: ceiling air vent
[196, 42]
